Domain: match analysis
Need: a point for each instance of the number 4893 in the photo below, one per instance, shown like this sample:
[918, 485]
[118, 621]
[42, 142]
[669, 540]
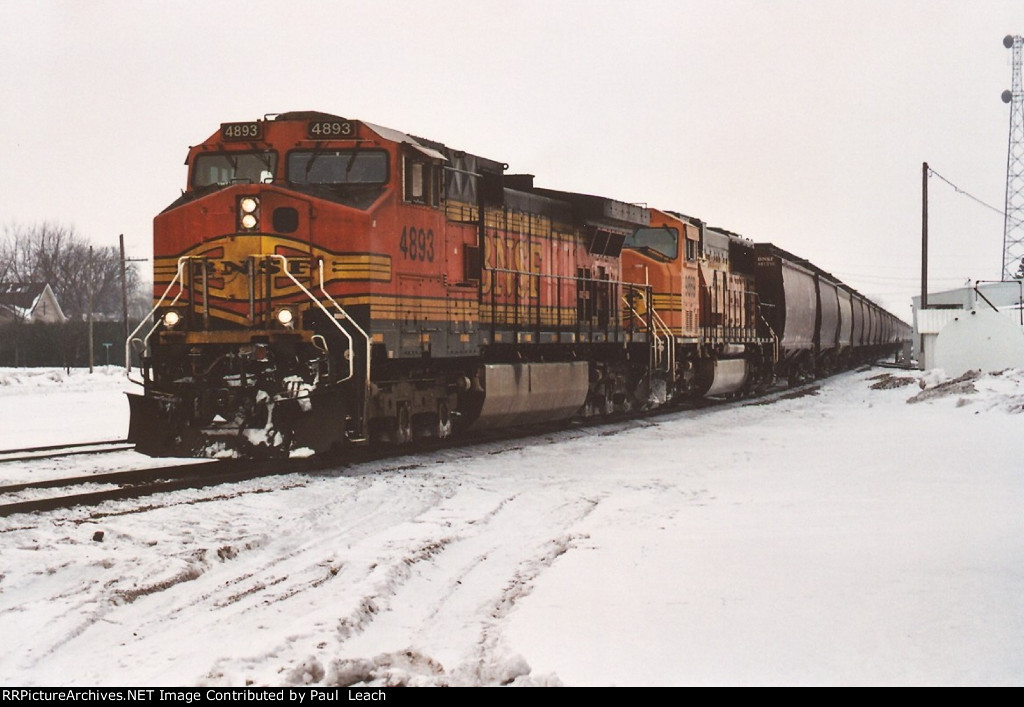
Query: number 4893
[417, 244]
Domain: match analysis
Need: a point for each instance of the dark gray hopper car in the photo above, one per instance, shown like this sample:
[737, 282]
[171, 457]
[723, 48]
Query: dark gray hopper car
[818, 323]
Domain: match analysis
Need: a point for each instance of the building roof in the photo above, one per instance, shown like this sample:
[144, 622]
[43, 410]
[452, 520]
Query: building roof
[21, 294]
[998, 294]
[21, 300]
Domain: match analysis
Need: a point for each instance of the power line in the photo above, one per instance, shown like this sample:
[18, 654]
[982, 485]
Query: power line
[933, 173]
[897, 277]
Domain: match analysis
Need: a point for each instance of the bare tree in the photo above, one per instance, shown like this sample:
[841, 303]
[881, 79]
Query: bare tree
[58, 255]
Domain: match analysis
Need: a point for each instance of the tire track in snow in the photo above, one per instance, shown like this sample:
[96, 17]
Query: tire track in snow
[475, 579]
[232, 569]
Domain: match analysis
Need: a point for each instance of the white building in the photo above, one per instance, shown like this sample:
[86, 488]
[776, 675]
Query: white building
[981, 324]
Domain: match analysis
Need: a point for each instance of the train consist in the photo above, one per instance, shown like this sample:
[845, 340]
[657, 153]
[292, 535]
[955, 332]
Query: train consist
[325, 282]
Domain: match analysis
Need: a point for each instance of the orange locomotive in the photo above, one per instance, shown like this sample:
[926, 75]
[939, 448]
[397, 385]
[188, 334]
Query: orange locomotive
[705, 332]
[323, 282]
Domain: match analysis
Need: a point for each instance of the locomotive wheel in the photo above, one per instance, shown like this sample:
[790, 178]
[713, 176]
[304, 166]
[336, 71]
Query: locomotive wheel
[444, 420]
[403, 426]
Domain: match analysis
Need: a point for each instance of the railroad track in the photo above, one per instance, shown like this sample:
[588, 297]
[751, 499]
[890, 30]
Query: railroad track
[92, 489]
[124, 485]
[64, 450]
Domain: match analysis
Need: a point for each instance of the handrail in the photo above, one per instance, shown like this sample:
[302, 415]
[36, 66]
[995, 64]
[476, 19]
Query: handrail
[661, 332]
[553, 276]
[775, 337]
[351, 342]
[669, 337]
[369, 345]
[145, 341]
[350, 353]
[351, 364]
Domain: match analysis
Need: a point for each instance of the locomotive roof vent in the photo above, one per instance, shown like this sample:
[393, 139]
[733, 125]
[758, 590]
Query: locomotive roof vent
[521, 182]
[303, 115]
[599, 208]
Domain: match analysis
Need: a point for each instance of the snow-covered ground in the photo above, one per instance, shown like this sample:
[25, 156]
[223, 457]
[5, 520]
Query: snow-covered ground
[41, 406]
[845, 537]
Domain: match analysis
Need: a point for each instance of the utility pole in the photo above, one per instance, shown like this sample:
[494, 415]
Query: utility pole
[1013, 224]
[924, 235]
[124, 292]
[124, 298]
[92, 271]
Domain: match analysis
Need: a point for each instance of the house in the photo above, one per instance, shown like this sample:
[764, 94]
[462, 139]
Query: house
[29, 302]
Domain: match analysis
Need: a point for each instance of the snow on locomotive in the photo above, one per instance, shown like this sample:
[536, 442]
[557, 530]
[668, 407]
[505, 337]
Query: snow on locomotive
[323, 282]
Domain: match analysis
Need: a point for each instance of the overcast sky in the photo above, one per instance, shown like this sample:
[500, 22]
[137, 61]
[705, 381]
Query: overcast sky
[804, 123]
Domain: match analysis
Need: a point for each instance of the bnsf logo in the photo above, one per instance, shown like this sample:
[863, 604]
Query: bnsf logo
[221, 268]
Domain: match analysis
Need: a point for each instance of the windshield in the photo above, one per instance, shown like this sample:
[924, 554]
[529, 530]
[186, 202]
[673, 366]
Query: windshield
[233, 168]
[338, 167]
[663, 240]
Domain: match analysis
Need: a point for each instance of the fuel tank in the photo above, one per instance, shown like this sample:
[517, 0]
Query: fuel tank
[527, 393]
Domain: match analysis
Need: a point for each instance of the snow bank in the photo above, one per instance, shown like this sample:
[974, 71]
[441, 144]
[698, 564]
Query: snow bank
[43, 406]
[843, 537]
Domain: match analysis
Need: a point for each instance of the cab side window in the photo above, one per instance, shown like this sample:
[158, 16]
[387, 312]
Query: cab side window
[691, 250]
[421, 181]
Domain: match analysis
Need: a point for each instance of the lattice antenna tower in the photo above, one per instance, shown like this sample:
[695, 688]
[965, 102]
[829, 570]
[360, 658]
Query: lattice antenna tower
[1013, 225]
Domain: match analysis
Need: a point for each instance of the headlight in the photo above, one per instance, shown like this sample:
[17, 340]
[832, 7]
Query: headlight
[248, 213]
[171, 319]
[285, 317]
